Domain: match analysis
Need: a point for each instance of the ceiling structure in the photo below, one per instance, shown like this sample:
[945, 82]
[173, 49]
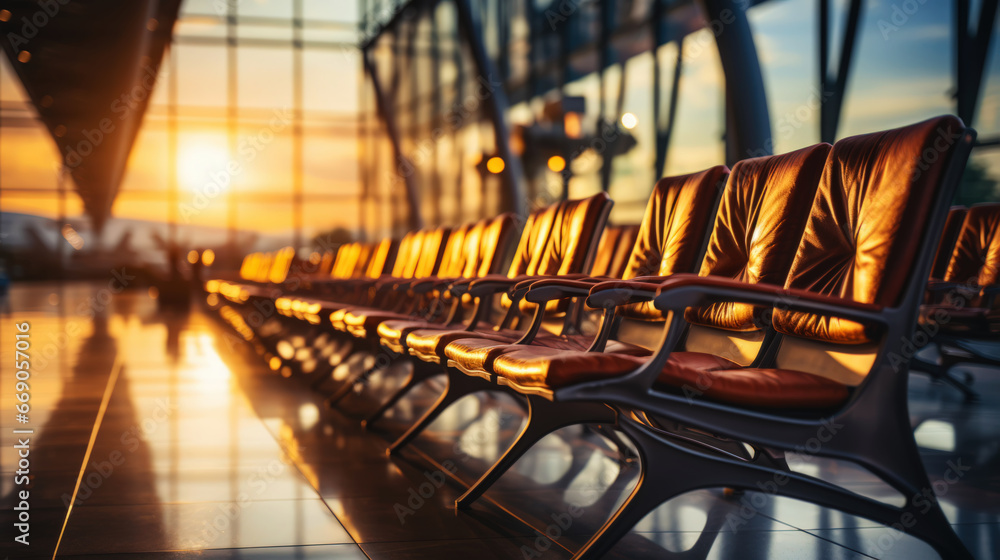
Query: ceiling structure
[89, 68]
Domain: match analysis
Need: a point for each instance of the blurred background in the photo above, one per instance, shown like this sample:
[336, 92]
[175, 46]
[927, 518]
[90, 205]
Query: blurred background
[242, 125]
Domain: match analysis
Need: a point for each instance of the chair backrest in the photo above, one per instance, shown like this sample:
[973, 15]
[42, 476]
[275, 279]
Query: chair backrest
[281, 265]
[673, 230]
[560, 239]
[325, 265]
[431, 251]
[364, 253]
[481, 249]
[454, 253]
[867, 237]
[346, 261]
[956, 217]
[614, 250]
[408, 254]
[248, 266]
[760, 221]
[976, 258]
[491, 248]
[381, 255]
[262, 267]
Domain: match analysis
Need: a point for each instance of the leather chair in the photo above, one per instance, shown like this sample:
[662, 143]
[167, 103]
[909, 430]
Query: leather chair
[366, 284]
[963, 304]
[260, 274]
[758, 225]
[558, 240]
[612, 256]
[472, 251]
[614, 250]
[670, 238]
[853, 292]
[952, 226]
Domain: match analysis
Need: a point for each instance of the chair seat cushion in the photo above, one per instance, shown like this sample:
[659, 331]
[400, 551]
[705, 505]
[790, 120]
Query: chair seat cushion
[363, 321]
[474, 354]
[694, 373]
[429, 344]
[477, 354]
[337, 317]
[393, 332]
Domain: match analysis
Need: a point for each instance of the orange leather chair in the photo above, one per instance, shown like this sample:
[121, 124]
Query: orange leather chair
[472, 251]
[964, 305]
[758, 225]
[842, 318]
[952, 226]
[612, 256]
[670, 238]
[556, 241]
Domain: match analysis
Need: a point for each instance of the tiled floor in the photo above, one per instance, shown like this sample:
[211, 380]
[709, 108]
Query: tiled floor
[199, 450]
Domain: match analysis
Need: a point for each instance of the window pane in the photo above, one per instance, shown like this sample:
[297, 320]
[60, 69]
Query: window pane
[633, 173]
[147, 164]
[341, 10]
[697, 143]
[265, 160]
[903, 76]
[325, 78]
[201, 76]
[265, 77]
[331, 165]
[271, 32]
[30, 157]
[272, 218]
[320, 216]
[264, 8]
[788, 58]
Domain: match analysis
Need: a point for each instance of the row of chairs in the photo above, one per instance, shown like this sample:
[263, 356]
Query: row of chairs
[752, 311]
[963, 287]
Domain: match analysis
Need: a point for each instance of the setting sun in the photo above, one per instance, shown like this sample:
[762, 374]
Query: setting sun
[200, 162]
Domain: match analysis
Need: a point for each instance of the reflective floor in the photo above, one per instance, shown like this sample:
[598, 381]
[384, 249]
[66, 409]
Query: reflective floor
[173, 439]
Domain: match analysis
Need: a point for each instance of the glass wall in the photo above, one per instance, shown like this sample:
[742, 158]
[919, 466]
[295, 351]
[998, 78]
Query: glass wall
[269, 88]
[613, 94]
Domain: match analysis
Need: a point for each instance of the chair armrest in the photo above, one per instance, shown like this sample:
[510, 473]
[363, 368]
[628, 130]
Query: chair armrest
[681, 291]
[621, 292]
[462, 287]
[392, 283]
[489, 285]
[425, 285]
[939, 287]
[558, 288]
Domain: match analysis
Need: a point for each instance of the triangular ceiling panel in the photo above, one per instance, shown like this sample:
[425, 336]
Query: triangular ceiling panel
[89, 67]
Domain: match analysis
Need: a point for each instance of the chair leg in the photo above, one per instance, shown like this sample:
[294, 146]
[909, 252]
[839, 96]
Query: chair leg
[608, 432]
[459, 385]
[951, 379]
[661, 460]
[318, 377]
[346, 389]
[645, 497]
[942, 372]
[544, 417]
[412, 380]
[417, 376]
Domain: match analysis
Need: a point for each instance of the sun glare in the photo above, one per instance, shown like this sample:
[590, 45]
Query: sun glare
[203, 163]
